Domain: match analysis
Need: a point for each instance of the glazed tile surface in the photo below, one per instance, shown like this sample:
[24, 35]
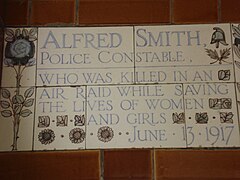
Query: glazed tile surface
[72, 88]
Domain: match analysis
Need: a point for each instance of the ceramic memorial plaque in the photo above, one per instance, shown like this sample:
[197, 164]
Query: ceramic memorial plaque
[173, 86]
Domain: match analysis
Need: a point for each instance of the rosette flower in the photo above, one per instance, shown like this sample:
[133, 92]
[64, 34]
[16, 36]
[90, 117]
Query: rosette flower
[77, 135]
[105, 134]
[20, 47]
[46, 136]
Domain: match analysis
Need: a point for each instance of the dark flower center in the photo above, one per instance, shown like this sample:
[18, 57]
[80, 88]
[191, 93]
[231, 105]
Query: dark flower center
[47, 136]
[77, 135]
[105, 134]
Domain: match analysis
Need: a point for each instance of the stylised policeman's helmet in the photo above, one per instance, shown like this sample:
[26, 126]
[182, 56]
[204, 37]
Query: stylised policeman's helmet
[218, 37]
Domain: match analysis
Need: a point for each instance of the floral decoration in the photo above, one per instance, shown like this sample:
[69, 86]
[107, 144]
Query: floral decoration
[224, 75]
[62, 120]
[79, 120]
[105, 134]
[46, 136]
[43, 121]
[77, 135]
[201, 118]
[19, 55]
[226, 117]
[178, 118]
[220, 103]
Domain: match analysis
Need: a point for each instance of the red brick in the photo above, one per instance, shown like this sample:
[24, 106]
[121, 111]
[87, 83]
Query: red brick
[52, 11]
[195, 11]
[2, 8]
[82, 165]
[123, 11]
[197, 164]
[1, 49]
[15, 12]
[230, 11]
[127, 164]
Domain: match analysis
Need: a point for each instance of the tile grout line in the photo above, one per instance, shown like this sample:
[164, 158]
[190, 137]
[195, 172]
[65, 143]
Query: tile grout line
[86, 114]
[101, 164]
[153, 164]
[185, 117]
[35, 88]
[29, 12]
[235, 79]
[219, 7]
[134, 56]
[76, 12]
[171, 11]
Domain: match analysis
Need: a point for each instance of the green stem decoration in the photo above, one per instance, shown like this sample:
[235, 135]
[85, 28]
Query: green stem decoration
[16, 116]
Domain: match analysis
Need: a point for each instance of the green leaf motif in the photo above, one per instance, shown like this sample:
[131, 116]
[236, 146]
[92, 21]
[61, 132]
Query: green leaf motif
[6, 93]
[19, 99]
[4, 104]
[14, 99]
[6, 113]
[9, 35]
[25, 113]
[28, 102]
[17, 109]
[9, 32]
[29, 92]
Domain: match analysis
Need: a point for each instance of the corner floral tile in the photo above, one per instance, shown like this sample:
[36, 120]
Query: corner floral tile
[135, 116]
[16, 118]
[19, 57]
[211, 115]
[60, 118]
[183, 53]
[85, 56]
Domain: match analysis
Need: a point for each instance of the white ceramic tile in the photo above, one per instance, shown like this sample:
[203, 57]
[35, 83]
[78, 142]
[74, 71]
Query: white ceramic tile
[184, 74]
[236, 49]
[134, 116]
[16, 119]
[69, 55]
[211, 115]
[19, 57]
[185, 47]
[60, 118]
[197, 65]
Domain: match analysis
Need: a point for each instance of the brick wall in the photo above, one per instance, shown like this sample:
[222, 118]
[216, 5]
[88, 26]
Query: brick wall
[147, 164]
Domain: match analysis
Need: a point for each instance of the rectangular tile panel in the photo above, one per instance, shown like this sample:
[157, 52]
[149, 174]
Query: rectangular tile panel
[211, 115]
[120, 87]
[60, 118]
[19, 57]
[189, 53]
[17, 118]
[83, 56]
[135, 116]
